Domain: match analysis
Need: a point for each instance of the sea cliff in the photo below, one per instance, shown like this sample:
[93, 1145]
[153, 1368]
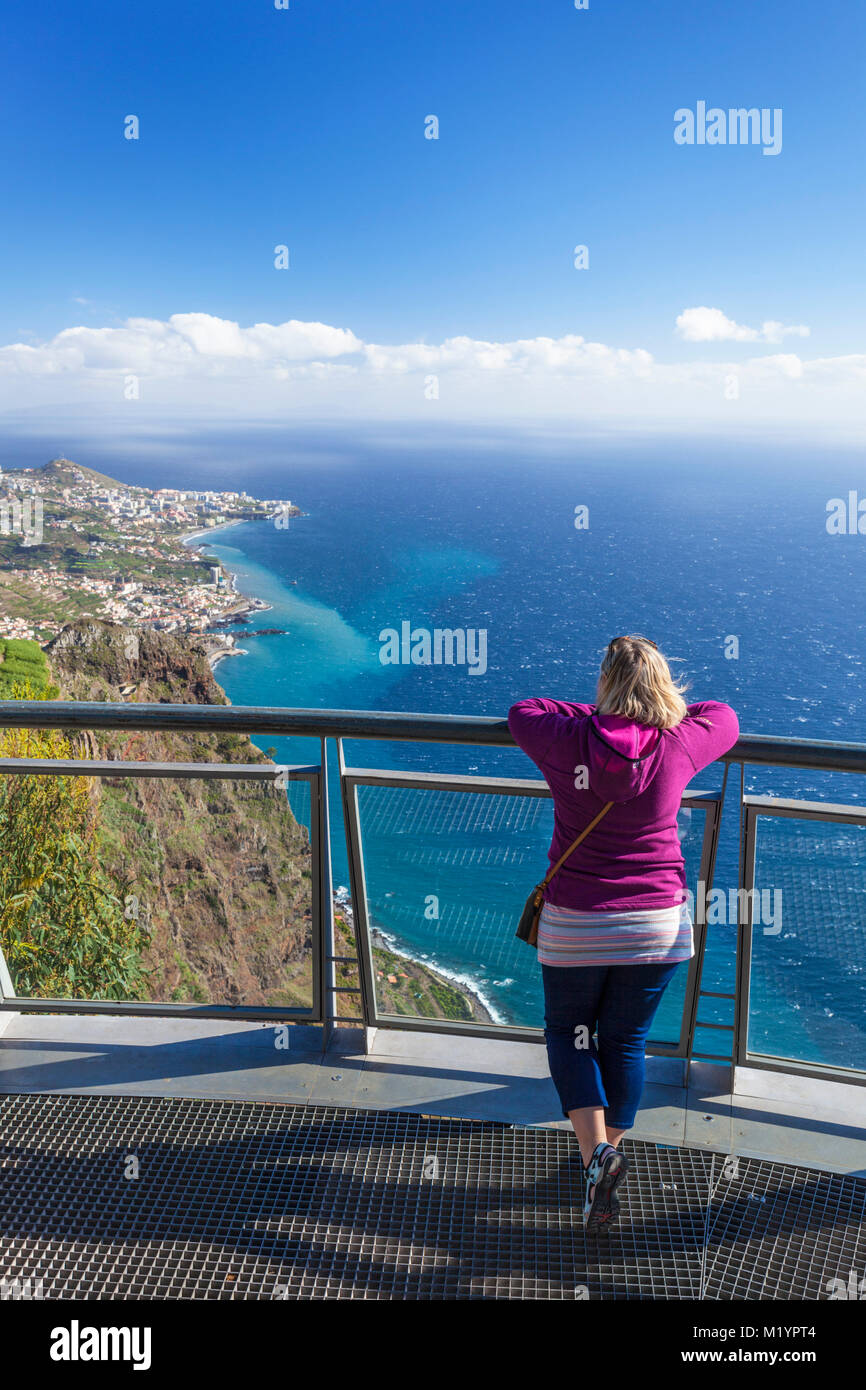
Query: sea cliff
[217, 873]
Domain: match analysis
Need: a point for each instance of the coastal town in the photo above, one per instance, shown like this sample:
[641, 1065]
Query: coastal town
[75, 543]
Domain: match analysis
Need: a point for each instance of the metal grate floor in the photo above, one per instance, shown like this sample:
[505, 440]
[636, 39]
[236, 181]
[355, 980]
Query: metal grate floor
[131, 1197]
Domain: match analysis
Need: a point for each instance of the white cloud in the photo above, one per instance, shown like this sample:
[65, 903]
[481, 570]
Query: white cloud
[569, 354]
[194, 362]
[201, 345]
[703, 325]
[292, 341]
[198, 344]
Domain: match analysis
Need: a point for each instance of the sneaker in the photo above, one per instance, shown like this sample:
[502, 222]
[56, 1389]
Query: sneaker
[604, 1172]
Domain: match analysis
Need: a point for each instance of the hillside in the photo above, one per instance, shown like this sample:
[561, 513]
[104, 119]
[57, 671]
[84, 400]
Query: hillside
[216, 874]
[21, 663]
[64, 471]
[79, 544]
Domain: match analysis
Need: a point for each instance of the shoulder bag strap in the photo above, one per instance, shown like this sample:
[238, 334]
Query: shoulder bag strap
[582, 836]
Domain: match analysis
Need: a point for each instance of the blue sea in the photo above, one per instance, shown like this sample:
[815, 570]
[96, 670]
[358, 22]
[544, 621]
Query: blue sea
[720, 554]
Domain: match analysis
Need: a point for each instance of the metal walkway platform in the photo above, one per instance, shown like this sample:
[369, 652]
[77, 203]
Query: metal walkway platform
[130, 1197]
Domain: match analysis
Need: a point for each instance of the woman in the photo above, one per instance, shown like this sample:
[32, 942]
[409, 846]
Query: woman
[615, 924]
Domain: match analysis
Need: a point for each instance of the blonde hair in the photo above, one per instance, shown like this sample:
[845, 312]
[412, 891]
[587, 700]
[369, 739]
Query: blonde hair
[636, 682]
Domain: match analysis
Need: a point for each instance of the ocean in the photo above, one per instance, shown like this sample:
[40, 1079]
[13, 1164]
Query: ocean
[720, 554]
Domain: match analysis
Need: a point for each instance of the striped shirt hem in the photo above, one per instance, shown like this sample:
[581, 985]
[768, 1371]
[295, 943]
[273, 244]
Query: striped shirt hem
[568, 937]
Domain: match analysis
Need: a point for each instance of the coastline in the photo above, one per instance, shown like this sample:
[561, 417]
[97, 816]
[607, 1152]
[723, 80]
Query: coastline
[341, 897]
[387, 941]
[214, 658]
[380, 937]
[188, 538]
[247, 603]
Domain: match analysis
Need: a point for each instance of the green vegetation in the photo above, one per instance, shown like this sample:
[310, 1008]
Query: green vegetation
[23, 663]
[189, 988]
[63, 470]
[121, 887]
[419, 991]
[62, 925]
[452, 1003]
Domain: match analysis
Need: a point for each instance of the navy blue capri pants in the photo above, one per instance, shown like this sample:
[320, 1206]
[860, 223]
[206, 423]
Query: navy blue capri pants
[620, 1003]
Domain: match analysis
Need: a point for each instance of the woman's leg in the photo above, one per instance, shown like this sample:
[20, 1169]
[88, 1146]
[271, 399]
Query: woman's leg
[588, 1124]
[631, 996]
[571, 999]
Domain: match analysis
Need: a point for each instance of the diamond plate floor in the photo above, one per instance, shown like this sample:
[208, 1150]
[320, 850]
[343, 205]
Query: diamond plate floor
[138, 1197]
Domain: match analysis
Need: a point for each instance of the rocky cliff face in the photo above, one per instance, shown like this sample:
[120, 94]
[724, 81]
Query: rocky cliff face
[218, 872]
[102, 658]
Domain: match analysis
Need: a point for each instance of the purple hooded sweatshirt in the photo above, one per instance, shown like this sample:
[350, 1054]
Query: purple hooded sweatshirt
[632, 858]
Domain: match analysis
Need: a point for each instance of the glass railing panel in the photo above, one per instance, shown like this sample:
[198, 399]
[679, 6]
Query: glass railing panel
[167, 890]
[719, 1011]
[447, 874]
[713, 1042]
[807, 979]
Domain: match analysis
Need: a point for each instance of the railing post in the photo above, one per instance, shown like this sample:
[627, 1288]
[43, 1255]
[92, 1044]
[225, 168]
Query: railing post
[706, 873]
[706, 869]
[745, 911]
[352, 830]
[328, 965]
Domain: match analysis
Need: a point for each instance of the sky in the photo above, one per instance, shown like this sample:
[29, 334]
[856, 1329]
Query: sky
[721, 285]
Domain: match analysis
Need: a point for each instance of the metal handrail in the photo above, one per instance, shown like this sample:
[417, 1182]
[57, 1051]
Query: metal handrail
[267, 774]
[817, 754]
[351, 779]
[387, 726]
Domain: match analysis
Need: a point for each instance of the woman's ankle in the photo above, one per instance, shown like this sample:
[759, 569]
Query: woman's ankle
[598, 1151]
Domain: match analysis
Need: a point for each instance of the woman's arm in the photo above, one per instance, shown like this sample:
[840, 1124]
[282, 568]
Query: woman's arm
[709, 730]
[535, 723]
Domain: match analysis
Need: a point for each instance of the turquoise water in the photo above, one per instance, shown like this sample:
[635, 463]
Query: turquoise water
[690, 557]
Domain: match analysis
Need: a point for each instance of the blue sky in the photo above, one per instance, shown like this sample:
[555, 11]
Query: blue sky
[306, 127]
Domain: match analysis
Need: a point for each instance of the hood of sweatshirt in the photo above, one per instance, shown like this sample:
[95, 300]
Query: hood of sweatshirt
[623, 757]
